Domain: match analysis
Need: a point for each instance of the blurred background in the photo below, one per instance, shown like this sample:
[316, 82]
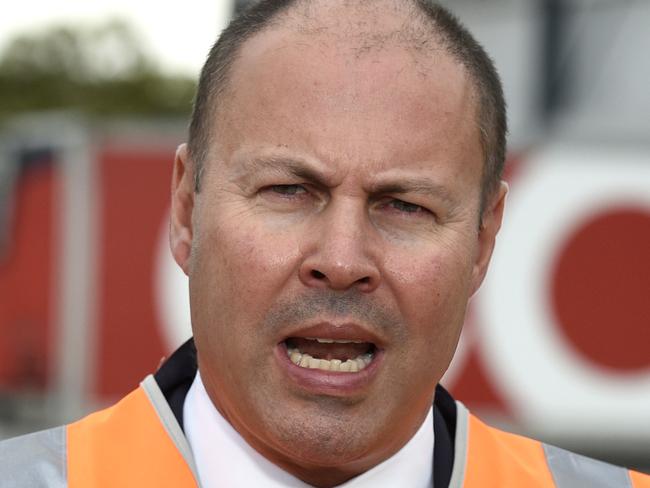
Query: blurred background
[95, 97]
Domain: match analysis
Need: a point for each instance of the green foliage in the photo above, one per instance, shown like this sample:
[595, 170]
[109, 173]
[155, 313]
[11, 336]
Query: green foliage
[102, 70]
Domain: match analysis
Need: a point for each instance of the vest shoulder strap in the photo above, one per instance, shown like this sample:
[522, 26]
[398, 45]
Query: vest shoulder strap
[127, 445]
[496, 459]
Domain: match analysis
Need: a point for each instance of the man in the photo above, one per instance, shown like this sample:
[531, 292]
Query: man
[335, 209]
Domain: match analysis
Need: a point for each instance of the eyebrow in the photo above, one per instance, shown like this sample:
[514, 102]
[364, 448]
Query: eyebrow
[285, 166]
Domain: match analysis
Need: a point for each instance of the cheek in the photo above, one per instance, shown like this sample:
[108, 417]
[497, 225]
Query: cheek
[433, 277]
[432, 290]
[238, 274]
[245, 263]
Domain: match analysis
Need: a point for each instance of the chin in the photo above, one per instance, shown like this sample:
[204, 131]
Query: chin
[326, 440]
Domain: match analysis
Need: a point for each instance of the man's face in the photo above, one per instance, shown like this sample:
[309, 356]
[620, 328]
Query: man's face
[340, 202]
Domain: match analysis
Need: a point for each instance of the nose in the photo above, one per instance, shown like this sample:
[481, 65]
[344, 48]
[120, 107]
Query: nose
[338, 254]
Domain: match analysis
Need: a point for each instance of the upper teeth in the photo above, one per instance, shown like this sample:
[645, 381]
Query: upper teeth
[330, 341]
[305, 360]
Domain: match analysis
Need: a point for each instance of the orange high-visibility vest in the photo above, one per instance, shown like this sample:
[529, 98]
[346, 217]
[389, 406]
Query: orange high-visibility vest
[138, 443]
[127, 445]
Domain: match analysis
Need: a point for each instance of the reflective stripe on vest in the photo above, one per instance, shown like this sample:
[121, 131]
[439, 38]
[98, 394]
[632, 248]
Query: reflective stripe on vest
[572, 470]
[34, 460]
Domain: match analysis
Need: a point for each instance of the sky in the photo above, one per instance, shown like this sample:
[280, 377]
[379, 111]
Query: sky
[178, 34]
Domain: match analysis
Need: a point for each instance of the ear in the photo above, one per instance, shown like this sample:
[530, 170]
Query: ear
[182, 206]
[490, 225]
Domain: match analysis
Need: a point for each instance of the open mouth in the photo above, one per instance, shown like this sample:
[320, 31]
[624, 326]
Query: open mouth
[336, 355]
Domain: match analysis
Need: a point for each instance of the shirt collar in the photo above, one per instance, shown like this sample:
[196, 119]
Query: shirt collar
[223, 457]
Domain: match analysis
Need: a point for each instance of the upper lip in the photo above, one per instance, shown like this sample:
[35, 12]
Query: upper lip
[351, 331]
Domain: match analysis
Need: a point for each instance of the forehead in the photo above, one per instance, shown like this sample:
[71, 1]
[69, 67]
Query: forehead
[367, 93]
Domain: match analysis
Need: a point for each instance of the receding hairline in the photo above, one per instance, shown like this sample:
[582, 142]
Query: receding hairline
[357, 44]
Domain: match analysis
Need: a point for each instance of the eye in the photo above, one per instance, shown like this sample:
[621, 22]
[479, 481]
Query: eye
[288, 190]
[406, 207]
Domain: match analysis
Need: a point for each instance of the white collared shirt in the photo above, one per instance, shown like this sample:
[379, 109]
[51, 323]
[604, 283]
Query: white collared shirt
[225, 460]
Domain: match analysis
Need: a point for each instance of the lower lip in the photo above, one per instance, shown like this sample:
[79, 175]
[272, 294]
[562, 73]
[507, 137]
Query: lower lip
[330, 383]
